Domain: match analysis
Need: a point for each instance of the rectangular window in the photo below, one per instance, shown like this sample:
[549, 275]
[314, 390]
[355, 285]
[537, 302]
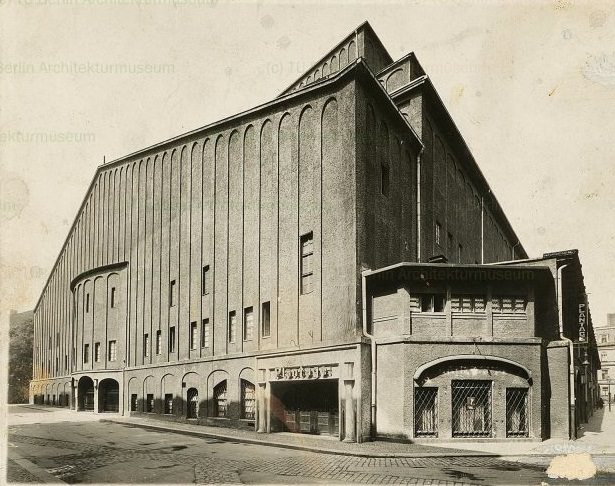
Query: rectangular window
[602, 356]
[87, 302]
[449, 245]
[433, 302]
[426, 412]
[508, 304]
[205, 333]
[158, 341]
[266, 318]
[172, 339]
[232, 326]
[172, 293]
[248, 323]
[460, 253]
[516, 412]
[112, 297]
[438, 231]
[112, 350]
[146, 345]
[65, 362]
[97, 352]
[605, 374]
[468, 304]
[194, 334]
[57, 365]
[168, 403]
[205, 283]
[384, 179]
[471, 407]
[134, 402]
[307, 272]
[150, 403]
[604, 338]
[86, 353]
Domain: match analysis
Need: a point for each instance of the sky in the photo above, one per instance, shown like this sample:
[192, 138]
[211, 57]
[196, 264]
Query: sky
[531, 86]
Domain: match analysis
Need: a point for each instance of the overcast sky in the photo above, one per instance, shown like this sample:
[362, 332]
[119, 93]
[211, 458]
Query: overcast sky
[531, 87]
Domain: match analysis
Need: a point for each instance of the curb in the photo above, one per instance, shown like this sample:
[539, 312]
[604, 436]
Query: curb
[40, 473]
[261, 442]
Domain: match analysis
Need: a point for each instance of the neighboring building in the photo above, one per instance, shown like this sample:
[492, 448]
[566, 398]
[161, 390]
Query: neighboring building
[219, 276]
[21, 331]
[605, 337]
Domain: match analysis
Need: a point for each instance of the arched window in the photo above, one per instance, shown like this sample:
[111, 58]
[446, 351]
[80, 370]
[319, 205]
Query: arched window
[193, 403]
[247, 400]
[220, 403]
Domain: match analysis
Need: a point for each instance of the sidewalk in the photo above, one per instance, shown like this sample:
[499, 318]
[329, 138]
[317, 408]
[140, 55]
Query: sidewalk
[598, 439]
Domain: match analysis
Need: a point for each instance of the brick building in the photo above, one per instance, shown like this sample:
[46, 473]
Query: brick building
[218, 277]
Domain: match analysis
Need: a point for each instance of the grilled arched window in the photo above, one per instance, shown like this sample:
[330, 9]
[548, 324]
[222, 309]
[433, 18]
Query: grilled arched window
[220, 403]
[247, 400]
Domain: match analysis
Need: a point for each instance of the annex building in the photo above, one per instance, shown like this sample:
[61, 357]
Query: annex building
[323, 263]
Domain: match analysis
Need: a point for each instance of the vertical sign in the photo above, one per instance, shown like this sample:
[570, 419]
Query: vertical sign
[582, 323]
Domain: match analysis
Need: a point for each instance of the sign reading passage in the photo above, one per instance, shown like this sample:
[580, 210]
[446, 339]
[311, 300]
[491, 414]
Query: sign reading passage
[302, 373]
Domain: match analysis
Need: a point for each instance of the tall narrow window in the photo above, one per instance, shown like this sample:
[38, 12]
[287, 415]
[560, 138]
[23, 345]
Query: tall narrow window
[266, 319]
[248, 400]
[172, 293]
[460, 253]
[205, 333]
[384, 179]
[193, 335]
[205, 284]
[168, 403]
[158, 341]
[232, 326]
[87, 302]
[112, 350]
[307, 272]
[149, 403]
[172, 339]
[86, 353]
[97, 352]
[112, 297]
[438, 231]
[220, 399]
[248, 323]
[65, 362]
[146, 345]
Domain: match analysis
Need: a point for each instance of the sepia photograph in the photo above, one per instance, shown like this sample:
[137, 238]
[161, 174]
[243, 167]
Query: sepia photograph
[307, 242]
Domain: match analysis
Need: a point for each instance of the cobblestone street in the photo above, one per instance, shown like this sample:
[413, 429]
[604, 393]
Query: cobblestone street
[91, 451]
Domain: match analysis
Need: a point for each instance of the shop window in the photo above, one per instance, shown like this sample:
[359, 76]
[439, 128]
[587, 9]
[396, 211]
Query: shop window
[168, 403]
[220, 399]
[509, 304]
[471, 407]
[248, 400]
[112, 350]
[266, 319]
[134, 403]
[426, 412]
[158, 341]
[384, 179]
[193, 335]
[172, 339]
[516, 412]
[468, 304]
[86, 353]
[205, 336]
[433, 302]
[232, 326]
[149, 403]
[248, 323]
[146, 345]
[205, 280]
[307, 271]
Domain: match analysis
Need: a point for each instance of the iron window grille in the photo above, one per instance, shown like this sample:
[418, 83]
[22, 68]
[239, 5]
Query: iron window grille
[517, 423]
[426, 412]
[168, 403]
[150, 403]
[220, 399]
[509, 304]
[193, 403]
[133, 402]
[468, 304]
[248, 400]
[471, 407]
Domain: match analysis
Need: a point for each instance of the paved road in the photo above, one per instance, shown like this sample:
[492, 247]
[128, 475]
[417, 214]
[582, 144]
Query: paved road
[84, 450]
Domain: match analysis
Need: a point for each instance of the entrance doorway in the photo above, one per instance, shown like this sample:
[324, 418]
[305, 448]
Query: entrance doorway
[306, 407]
[108, 396]
[86, 394]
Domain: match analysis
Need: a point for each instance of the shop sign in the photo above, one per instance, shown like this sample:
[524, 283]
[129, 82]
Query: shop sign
[582, 323]
[302, 372]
